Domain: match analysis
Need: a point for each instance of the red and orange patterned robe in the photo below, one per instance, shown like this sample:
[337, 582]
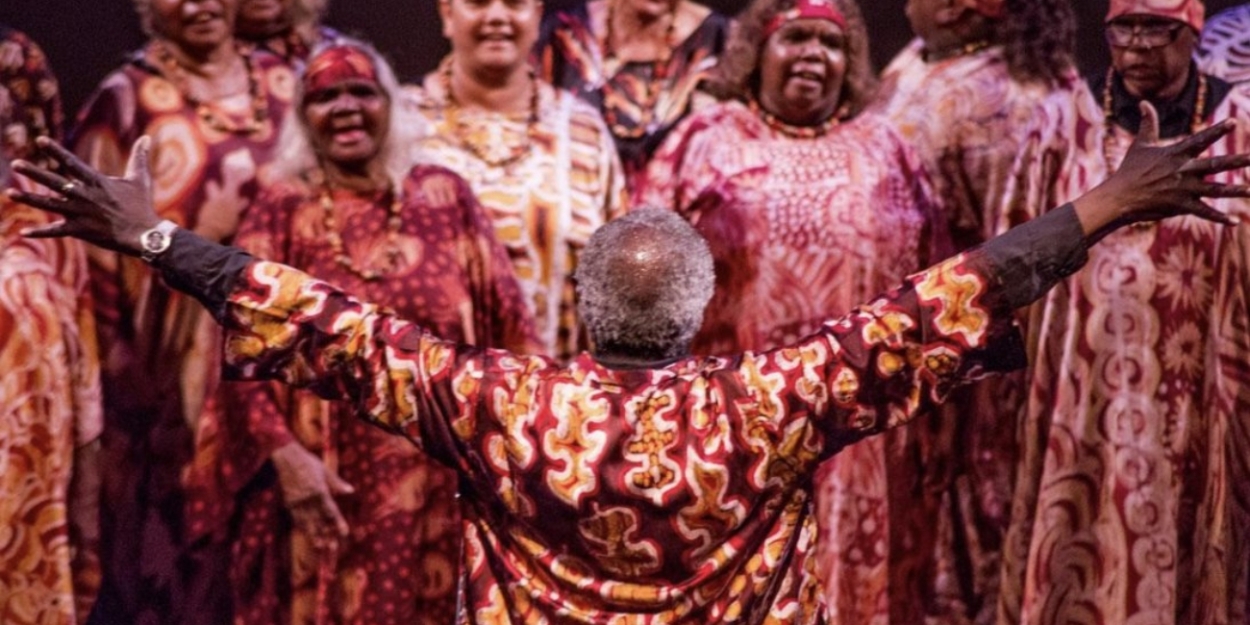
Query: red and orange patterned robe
[1000, 152]
[802, 229]
[455, 280]
[1134, 499]
[565, 182]
[160, 354]
[671, 495]
[49, 386]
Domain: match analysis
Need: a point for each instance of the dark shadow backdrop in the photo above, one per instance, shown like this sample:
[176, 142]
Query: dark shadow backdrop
[85, 39]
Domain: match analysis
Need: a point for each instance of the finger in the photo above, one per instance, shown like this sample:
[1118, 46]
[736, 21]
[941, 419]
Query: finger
[1199, 142]
[47, 203]
[1148, 133]
[337, 485]
[45, 177]
[1215, 190]
[137, 168]
[1205, 211]
[1217, 164]
[71, 163]
[330, 511]
[50, 231]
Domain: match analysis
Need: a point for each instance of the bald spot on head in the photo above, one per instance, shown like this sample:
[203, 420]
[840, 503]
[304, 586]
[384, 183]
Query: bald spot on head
[643, 283]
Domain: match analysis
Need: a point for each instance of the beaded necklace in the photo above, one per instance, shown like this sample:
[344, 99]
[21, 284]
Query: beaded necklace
[515, 152]
[1195, 125]
[790, 130]
[175, 73]
[933, 56]
[651, 88]
[394, 220]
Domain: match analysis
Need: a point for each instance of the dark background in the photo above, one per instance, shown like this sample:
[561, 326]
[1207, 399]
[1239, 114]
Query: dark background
[85, 39]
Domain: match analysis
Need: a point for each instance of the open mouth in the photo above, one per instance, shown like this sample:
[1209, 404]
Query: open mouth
[349, 134]
[807, 77]
[204, 18]
[496, 38]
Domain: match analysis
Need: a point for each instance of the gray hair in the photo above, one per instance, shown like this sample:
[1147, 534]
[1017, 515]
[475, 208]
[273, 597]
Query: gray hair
[643, 282]
[306, 13]
[294, 155]
[144, 9]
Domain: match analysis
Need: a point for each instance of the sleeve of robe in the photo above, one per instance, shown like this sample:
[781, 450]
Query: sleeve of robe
[875, 368]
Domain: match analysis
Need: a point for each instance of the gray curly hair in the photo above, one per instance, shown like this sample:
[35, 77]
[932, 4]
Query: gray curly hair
[294, 156]
[642, 284]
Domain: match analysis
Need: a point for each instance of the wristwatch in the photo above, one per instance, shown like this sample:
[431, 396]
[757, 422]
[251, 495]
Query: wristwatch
[154, 242]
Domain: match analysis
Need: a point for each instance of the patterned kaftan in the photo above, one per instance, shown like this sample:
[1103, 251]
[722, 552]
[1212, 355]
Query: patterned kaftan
[49, 377]
[1224, 49]
[49, 407]
[1001, 152]
[546, 204]
[671, 495]
[641, 101]
[160, 354]
[399, 564]
[1133, 503]
[800, 230]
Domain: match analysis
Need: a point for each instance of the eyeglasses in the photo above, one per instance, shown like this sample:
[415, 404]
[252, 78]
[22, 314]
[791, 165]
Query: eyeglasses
[1122, 35]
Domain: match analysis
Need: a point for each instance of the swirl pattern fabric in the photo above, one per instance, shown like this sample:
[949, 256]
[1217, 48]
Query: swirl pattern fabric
[161, 351]
[49, 408]
[1133, 503]
[1001, 152]
[599, 495]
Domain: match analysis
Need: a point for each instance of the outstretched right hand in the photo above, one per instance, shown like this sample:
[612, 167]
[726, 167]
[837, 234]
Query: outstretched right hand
[109, 212]
[1156, 182]
[309, 488]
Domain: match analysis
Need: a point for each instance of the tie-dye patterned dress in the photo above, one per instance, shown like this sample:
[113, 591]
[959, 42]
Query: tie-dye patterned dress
[1134, 499]
[802, 229]
[50, 387]
[1000, 152]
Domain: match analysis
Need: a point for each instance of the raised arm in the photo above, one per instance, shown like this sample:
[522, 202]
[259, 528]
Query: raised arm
[281, 323]
[306, 332]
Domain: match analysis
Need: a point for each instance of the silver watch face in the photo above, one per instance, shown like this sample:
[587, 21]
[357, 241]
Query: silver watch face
[154, 241]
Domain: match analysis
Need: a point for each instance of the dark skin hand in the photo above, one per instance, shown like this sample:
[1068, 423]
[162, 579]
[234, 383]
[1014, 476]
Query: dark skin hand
[104, 211]
[1159, 182]
[1154, 182]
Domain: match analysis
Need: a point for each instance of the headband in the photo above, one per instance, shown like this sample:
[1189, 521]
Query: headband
[337, 64]
[993, 9]
[806, 9]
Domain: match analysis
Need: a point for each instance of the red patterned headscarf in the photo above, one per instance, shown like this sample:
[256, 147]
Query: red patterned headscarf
[336, 64]
[993, 9]
[1190, 12]
[807, 9]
